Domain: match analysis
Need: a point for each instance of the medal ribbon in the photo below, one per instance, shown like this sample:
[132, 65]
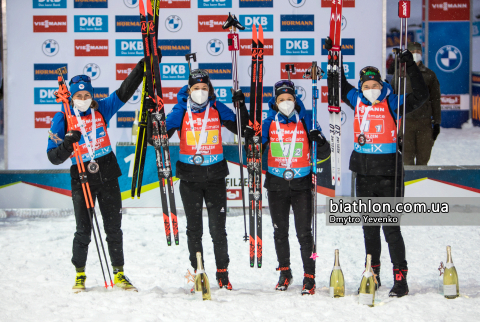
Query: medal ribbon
[192, 127]
[364, 119]
[294, 139]
[81, 124]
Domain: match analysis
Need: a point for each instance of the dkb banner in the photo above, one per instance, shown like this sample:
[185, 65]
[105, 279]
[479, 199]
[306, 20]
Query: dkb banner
[101, 38]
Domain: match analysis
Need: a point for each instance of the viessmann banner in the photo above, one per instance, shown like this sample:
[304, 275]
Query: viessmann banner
[101, 38]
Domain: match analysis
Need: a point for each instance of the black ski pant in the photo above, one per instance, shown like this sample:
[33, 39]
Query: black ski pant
[110, 203]
[382, 186]
[301, 201]
[214, 192]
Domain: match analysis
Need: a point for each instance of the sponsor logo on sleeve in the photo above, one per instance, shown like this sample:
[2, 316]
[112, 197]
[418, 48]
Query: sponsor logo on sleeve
[88, 4]
[128, 47]
[174, 71]
[50, 4]
[45, 95]
[214, 3]
[170, 94]
[248, 20]
[348, 46]
[91, 47]
[217, 70]
[295, 46]
[175, 47]
[127, 23]
[92, 70]
[349, 69]
[346, 3]
[173, 4]
[267, 93]
[246, 47]
[215, 47]
[122, 70]
[297, 22]
[91, 23]
[255, 3]
[43, 120]
[49, 23]
[125, 118]
[173, 23]
[47, 71]
[50, 47]
[100, 93]
[211, 23]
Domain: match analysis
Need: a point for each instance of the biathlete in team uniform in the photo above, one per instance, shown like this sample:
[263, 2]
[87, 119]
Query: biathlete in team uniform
[89, 119]
[198, 117]
[287, 131]
[375, 151]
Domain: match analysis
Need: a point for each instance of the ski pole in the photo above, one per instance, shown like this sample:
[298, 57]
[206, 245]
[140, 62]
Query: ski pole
[62, 96]
[188, 57]
[290, 68]
[403, 14]
[233, 46]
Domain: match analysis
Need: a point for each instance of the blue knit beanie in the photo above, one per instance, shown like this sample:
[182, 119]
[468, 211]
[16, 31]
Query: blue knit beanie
[81, 86]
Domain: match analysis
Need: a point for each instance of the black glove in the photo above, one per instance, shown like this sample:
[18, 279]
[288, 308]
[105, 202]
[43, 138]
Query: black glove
[316, 135]
[407, 57]
[436, 131]
[238, 96]
[328, 43]
[151, 105]
[248, 133]
[70, 138]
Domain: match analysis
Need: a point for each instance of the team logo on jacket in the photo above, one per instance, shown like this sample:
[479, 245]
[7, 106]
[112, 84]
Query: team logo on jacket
[92, 70]
[50, 47]
[170, 4]
[136, 96]
[448, 58]
[50, 4]
[215, 47]
[127, 23]
[49, 23]
[214, 3]
[90, 3]
[297, 23]
[91, 47]
[255, 4]
[297, 3]
[300, 92]
[173, 23]
[131, 3]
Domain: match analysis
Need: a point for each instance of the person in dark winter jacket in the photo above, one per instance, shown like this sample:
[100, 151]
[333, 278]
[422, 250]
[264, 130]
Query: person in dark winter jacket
[90, 119]
[423, 125]
[198, 117]
[287, 132]
[375, 151]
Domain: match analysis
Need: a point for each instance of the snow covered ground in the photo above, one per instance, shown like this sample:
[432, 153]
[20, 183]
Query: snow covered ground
[37, 276]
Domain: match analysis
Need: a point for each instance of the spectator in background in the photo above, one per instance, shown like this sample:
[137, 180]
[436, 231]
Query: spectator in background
[422, 125]
[390, 61]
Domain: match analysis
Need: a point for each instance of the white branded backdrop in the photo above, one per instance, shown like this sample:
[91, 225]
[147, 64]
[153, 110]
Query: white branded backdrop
[30, 42]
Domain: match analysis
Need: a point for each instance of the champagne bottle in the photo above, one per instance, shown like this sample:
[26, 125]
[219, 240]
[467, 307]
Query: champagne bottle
[337, 282]
[450, 278]
[135, 128]
[202, 286]
[367, 286]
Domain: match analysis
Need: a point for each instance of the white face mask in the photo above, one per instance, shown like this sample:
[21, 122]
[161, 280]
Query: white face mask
[286, 108]
[82, 105]
[199, 96]
[417, 57]
[372, 94]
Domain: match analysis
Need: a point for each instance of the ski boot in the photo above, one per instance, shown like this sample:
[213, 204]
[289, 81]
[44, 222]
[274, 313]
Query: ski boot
[122, 281]
[400, 286]
[308, 284]
[285, 278]
[222, 279]
[79, 282]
